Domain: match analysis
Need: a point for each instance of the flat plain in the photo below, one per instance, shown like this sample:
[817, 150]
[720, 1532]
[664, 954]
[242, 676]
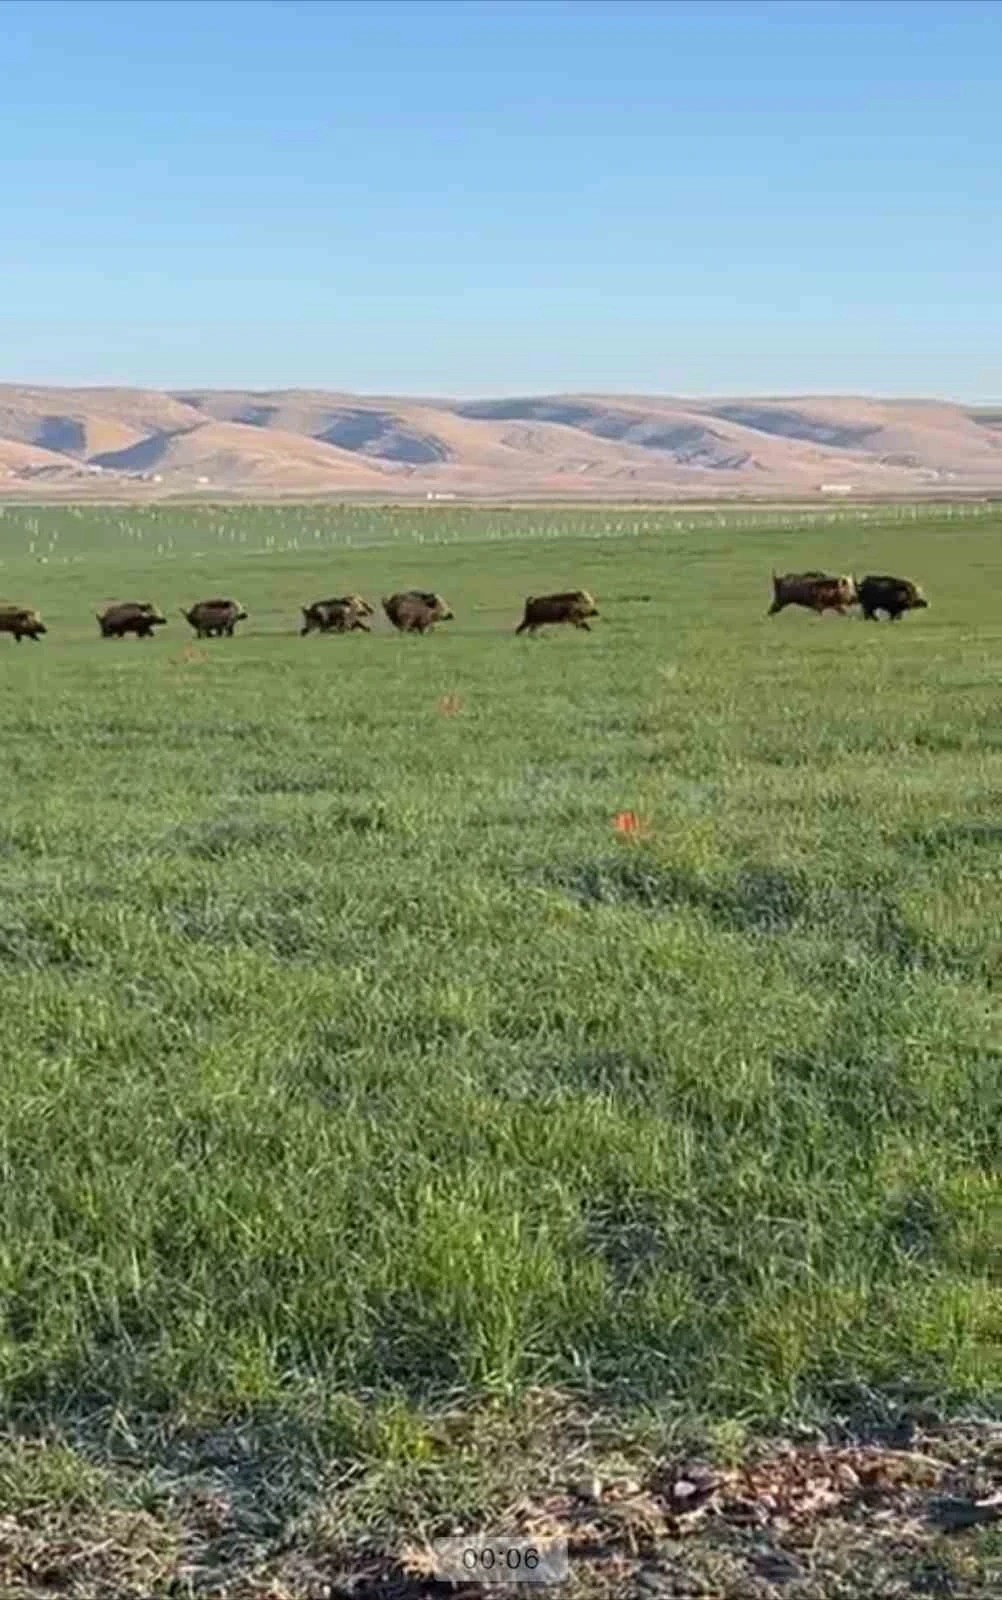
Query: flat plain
[415, 1048]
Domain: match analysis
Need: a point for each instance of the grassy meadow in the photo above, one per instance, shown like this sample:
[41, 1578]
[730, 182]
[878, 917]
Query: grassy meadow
[357, 1064]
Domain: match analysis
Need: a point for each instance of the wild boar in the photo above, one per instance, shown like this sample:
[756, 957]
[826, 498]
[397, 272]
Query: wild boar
[130, 616]
[815, 591]
[213, 619]
[345, 614]
[573, 606]
[894, 596]
[416, 610]
[23, 622]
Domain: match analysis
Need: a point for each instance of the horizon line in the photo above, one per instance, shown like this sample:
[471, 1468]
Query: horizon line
[506, 393]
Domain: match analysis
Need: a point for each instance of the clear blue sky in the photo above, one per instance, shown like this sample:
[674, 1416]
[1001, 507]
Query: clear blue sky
[489, 196]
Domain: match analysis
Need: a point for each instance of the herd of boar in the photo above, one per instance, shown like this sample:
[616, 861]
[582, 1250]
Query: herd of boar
[418, 610]
[411, 611]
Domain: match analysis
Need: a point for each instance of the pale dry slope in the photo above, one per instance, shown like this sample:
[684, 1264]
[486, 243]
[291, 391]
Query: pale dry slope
[82, 423]
[654, 444]
[16, 458]
[233, 456]
[310, 442]
[928, 435]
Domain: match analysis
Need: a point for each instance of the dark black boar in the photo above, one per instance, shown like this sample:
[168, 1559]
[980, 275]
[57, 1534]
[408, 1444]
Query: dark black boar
[894, 596]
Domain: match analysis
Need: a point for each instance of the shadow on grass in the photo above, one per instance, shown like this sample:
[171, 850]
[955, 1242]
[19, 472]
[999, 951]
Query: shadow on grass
[289, 782]
[229, 836]
[38, 941]
[948, 838]
[759, 899]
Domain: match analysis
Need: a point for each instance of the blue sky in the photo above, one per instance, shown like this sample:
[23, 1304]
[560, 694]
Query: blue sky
[503, 196]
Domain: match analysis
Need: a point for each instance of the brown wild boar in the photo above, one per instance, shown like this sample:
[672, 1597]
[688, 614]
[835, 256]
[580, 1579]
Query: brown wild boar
[23, 622]
[345, 614]
[213, 619]
[416, 610]
[815, 591]
[573, 606]
[131, 616]
[895, 596]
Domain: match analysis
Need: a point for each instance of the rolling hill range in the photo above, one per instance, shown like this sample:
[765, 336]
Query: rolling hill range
[122, 443]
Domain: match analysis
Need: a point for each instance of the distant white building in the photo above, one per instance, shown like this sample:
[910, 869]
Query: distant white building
[836, 488]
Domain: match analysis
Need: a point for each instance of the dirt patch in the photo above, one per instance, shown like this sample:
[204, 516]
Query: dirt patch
[236, 1517]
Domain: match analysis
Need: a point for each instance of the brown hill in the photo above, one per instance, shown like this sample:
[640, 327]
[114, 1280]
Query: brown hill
[146, 443]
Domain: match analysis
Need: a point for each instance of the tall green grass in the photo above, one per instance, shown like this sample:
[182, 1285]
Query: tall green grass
[348, 1047]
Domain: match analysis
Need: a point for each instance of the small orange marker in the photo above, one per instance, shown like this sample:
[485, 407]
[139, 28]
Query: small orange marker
[629, 823]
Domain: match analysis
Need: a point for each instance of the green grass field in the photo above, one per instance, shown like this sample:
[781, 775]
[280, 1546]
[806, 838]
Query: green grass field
[355, 1065]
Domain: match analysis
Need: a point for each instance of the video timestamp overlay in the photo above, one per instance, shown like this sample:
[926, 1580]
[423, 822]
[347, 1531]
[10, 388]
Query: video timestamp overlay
[500, 1559]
